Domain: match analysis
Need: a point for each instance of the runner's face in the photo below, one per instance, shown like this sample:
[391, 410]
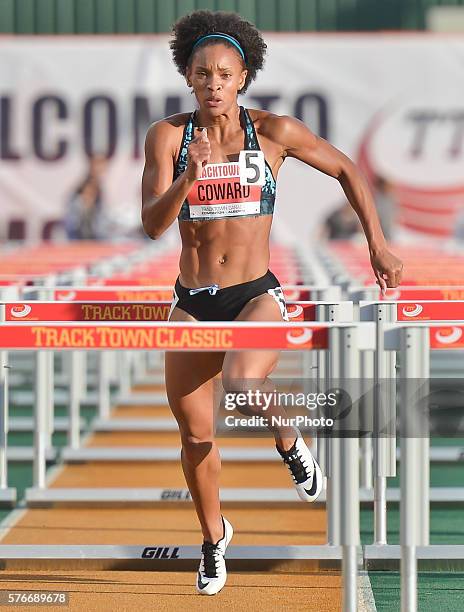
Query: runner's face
[216, 74]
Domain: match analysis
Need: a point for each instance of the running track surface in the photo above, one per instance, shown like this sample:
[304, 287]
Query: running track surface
[125, 590]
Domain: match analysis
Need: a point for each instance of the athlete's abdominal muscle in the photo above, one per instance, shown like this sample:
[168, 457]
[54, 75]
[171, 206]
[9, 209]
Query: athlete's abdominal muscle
[224, 251]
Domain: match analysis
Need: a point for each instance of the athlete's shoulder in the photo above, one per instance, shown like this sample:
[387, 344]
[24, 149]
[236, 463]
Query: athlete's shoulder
[166, 131]
[271, 125]
[170, 124]
[278, 128]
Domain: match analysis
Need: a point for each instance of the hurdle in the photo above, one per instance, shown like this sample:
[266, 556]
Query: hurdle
[7, 494]
[79, 311]
[142, 294]
[94, 311]
[137, 294]
[341, 339]
[356, 337]
[414, 343]
[426, 310]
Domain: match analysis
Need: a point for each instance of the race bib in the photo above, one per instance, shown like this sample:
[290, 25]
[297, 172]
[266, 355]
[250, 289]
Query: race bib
[252, 170]
[220, 192]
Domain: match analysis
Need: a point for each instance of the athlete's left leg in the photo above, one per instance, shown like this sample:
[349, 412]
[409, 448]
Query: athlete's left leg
[245, 370]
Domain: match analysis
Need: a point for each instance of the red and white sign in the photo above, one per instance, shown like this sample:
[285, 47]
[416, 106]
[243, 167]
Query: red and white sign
[163, 337]
[17, 311]
[92, 311]
[447, 337]
[431, 311]
[114, 311]
[301, 312]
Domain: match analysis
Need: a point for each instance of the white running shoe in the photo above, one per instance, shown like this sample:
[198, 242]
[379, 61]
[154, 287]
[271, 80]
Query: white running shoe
[212, 572]
[305, 470]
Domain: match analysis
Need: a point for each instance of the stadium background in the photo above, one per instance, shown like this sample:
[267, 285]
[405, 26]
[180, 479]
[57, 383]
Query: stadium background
[389, 99]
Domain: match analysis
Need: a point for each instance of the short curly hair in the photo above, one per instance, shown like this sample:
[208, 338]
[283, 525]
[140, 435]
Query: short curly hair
[188, 29]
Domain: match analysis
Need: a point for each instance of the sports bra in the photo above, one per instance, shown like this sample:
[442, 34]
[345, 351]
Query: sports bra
[219, 192]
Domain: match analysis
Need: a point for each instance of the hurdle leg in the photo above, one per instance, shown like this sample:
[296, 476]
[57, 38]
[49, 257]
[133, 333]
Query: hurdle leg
[332, 448]
[365, 466]
[322, 366]
[50, 397]
[424, 538]
[74, 400]
[40, 418]
[425, 448]
[140, 365]
[414, 345]
[104, 400]
[349, 472]
[309, 369]
[113, 366]
[384, 443]
[125, 373]
[66, 366]
[323, 441]
[83, 364]
[409, 522]
[408, 577]
[350, 579]
[333, 504]
[4, 419]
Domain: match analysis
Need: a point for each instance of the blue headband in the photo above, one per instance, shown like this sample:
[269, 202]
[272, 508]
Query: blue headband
[230, 39]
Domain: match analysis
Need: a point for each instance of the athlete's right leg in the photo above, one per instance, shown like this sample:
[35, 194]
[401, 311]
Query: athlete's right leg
[189, 385]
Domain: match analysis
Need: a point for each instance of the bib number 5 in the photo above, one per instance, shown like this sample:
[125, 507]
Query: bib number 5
[251, 168]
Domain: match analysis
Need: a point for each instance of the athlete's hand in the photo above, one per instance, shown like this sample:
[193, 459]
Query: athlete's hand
[198, 155]
[388, 269]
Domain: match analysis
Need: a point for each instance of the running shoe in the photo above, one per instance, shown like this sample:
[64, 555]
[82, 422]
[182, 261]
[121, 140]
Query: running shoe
[305, 470]
[212, 572]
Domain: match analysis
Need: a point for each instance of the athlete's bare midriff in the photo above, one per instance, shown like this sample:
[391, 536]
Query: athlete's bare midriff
[224, 251]
[232, 250]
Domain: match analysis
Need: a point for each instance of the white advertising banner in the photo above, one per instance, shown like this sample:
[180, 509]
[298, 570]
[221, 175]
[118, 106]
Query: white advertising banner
[392, 102]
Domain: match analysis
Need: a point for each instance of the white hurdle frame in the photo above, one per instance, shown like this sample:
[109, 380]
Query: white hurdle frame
[386, 448]
[345, 343]
[343, 347]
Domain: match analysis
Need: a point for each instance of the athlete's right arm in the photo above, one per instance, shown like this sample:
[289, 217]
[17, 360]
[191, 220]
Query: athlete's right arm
[161, 197]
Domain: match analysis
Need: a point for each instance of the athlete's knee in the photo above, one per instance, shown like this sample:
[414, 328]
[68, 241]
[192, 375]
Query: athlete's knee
[196, 447]
[241, 380]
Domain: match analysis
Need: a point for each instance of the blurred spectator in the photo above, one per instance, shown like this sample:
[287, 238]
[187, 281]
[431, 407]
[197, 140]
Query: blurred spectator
[341, 224]
[85, 217]
[385, 204]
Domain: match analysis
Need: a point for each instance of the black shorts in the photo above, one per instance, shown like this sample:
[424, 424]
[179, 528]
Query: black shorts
[215, 304]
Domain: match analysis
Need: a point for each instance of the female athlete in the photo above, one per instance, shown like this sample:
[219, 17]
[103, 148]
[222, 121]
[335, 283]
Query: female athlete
[192, 173]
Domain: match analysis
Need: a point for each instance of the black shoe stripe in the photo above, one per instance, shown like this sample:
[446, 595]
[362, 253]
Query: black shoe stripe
[201, 585]
[313, 489]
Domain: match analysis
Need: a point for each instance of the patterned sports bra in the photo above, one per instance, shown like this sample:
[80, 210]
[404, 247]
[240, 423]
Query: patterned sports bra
[244, 188]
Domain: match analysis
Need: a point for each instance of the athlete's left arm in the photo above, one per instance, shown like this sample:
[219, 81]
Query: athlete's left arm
[299, 142]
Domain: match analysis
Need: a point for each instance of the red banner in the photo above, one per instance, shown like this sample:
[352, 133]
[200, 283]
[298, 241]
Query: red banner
[114, 311]
[167, 337]
[78, 311]
[430, 311]
[447, 337]
[301, 312]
